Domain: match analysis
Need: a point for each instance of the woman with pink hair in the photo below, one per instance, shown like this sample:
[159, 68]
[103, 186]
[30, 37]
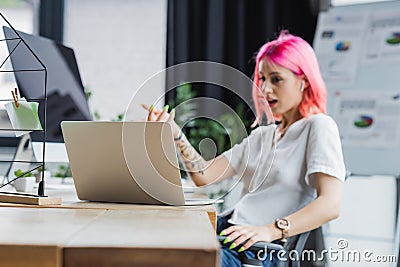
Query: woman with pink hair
[292, 170]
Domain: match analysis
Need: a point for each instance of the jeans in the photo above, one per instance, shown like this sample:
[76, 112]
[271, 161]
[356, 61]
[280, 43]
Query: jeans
[230, 257]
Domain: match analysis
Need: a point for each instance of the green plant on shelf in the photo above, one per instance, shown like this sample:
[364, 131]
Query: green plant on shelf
[21, 173]
[63, 171]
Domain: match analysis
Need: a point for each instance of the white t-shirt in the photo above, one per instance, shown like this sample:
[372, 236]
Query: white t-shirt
[276, 173]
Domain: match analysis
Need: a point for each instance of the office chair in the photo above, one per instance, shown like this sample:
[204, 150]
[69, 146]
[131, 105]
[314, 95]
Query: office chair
[294, 243]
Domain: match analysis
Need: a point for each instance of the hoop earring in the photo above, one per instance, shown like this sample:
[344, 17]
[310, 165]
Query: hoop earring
[302, 87]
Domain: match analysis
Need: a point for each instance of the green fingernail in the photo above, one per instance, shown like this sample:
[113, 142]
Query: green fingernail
[151, 107]
[232, 246]
[222, 233]
[173, 110]
[166, 108]
[241, 249]
[226, 240]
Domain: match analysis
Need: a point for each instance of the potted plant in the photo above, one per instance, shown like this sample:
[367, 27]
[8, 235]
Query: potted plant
[63, 172]
[25, 181]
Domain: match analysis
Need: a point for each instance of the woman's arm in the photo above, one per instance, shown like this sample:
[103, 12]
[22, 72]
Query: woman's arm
[201, 171]
[323, 209]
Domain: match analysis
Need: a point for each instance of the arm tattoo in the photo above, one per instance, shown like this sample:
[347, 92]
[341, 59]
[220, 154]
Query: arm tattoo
[192, 160]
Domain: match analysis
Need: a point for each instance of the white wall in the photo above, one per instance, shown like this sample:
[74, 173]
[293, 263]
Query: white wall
[21, 18]
[351, 2]
[118, 44]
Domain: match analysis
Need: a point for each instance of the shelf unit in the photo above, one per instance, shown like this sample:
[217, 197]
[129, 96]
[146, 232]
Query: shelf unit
[16, 44]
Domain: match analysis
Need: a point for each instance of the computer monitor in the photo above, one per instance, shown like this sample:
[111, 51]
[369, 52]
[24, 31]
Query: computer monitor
[66, 98]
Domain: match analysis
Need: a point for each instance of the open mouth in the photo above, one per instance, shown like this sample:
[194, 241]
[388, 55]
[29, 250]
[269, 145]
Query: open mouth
[272, 102]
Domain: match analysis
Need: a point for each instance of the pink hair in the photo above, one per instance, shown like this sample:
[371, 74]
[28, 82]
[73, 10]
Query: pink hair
[295, 54]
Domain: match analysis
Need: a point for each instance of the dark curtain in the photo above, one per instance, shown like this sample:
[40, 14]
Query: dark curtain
[51, 19]
[231, 32]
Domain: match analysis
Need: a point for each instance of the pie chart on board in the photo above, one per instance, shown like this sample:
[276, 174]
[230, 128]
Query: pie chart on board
[393, 39]
[363, 121]
[342, 46]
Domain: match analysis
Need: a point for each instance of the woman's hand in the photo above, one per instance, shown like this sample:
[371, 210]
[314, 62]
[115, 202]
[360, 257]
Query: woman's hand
[163, 116]
[240, 234]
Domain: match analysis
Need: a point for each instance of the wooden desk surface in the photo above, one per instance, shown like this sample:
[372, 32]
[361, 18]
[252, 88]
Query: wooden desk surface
[95, 237]
[70, 200]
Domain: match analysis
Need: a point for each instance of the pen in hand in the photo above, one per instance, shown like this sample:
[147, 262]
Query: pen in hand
[159, 115]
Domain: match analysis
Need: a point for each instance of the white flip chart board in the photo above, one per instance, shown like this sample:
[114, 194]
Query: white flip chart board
[358, 49]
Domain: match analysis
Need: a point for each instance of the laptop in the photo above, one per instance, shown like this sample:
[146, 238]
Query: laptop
[125, 162]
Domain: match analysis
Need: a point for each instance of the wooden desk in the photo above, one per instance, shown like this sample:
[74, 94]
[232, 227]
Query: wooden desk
[81, 233]
[70, 200]
[95, 237]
